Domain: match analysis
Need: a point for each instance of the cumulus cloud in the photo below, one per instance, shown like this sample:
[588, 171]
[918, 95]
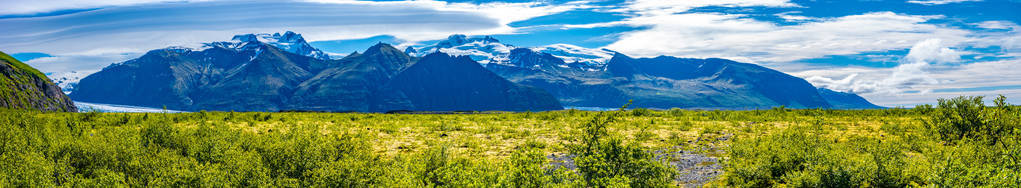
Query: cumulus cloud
[932, 51]
[974, 79]
[912, 75]
[928, 68]
[868, 81]
[738, 37]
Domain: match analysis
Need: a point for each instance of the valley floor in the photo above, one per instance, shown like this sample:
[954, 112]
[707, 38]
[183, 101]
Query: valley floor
[570, 148]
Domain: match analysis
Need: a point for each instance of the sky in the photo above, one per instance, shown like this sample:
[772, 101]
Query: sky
[893, 53]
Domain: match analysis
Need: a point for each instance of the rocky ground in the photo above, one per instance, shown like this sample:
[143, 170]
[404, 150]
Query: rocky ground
[696, 166]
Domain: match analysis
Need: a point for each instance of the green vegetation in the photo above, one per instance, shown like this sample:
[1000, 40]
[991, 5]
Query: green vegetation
[963, 143]
[958, 143]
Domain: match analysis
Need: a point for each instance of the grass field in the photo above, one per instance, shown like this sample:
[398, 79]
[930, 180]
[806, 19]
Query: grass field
[958, 143]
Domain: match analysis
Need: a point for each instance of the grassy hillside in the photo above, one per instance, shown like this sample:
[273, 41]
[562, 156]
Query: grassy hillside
[636, 148]
[21, 66]
[24, 87]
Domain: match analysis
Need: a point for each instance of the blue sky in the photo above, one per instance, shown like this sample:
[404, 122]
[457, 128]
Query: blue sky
[894, 53]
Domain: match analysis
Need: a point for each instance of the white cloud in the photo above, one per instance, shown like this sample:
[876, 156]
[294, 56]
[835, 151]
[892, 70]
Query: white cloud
[932, 51]
[133, 27]
[912, 74]
[928, 68]
[505, 13]
[990, 74]
[939, 2]
[663, 7]
[913, 99]
[17, 7]
[791, 17]
[997, 25]
[89, 61]
[734, 36]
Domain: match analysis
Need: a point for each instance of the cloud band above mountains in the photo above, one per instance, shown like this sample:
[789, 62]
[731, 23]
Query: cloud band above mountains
[786, 35]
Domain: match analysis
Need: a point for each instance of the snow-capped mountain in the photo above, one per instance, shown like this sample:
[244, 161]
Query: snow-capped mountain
[486, 49]
[577, 54]
[289, 41]
[481, 49]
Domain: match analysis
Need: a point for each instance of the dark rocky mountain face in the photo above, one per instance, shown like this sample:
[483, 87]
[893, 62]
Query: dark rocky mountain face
[213, 79]
[712, 83]
[844, 100]
[442, 82]
[262, 83]
[661, 82]
[351, 84]
[158, 78]
[24, 87]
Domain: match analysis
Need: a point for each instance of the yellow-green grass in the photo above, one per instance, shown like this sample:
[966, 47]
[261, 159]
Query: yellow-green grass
[497, 135]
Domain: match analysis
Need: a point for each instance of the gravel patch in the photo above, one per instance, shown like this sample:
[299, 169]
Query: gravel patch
[695, 169]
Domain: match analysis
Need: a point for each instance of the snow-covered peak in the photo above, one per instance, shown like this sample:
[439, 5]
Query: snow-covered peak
[288, 41]
[484, 49]
[459, 39]
[572, 54]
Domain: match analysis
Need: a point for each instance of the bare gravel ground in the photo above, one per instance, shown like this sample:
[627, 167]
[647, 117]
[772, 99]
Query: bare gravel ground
[695, 167]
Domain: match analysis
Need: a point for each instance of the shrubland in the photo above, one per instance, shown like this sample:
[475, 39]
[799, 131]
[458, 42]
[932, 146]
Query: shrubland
[960, 142]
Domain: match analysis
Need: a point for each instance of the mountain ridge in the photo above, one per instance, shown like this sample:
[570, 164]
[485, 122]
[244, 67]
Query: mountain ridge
[252, 75]
[258, 76]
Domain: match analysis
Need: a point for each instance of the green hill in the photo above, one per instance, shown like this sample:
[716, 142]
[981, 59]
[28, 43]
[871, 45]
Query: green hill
[24, 87]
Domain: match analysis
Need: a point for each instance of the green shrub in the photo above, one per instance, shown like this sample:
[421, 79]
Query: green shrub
[605, 161]
[957, 118]
[799, 157]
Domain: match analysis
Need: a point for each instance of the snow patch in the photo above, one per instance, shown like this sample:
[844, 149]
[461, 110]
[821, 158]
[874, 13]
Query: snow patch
[487, 49]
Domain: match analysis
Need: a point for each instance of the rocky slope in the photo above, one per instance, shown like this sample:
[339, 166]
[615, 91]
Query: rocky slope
[352, 86]
[24, 87]
[447, 83]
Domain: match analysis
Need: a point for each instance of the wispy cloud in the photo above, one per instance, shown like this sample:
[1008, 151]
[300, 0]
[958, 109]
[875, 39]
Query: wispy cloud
[664, 7]
[21, 7]
[133, 27]
[942, 48]
[939, 2]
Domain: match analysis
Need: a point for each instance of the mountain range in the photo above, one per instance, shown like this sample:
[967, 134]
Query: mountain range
[272, 72]
[248, 74]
